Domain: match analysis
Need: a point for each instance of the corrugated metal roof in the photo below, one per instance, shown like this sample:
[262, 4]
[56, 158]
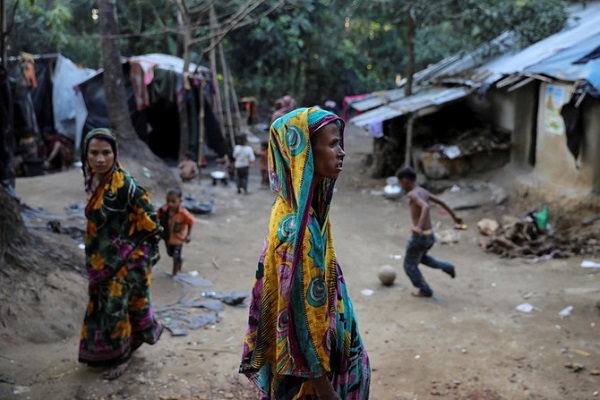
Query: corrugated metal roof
[435, 96]
[562, 65]
[377, 99]
[553, 57]
[584, 28]
[482, 66]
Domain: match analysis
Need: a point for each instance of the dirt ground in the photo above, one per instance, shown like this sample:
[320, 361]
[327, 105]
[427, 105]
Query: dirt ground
[469, 342]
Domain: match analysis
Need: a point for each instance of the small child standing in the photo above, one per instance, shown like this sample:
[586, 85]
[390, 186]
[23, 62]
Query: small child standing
[244, 159]
[177, 223]
[188, 169]
[264, 164]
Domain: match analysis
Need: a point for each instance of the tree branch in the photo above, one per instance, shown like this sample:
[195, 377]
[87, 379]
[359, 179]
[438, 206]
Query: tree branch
[234, 25]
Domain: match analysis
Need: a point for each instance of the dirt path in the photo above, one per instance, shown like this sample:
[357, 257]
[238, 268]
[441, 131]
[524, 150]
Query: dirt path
[468, 343]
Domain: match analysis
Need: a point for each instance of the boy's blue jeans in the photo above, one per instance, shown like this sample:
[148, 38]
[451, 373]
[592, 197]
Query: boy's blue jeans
[416, 252]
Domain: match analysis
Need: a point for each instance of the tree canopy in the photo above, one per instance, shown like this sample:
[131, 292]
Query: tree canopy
[311, 49]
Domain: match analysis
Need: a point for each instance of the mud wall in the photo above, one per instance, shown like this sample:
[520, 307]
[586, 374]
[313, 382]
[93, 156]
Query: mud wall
[554, 162]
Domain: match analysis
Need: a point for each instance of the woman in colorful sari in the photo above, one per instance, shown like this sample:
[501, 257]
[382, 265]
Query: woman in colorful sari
[302, 340]
[121, 246]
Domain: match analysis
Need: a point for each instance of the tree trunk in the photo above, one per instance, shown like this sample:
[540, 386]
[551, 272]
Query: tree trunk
[410, 50]
[130, 145]
[119, 118]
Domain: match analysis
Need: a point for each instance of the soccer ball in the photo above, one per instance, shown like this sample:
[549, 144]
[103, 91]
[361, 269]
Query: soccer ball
[387, 275]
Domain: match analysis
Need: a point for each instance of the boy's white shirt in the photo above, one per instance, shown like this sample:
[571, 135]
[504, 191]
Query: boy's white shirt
[244, 155]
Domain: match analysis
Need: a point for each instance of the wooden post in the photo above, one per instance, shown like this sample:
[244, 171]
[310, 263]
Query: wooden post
[227, 105]
[409, 135]
[236, 104]
[218, 109]
[201, 130]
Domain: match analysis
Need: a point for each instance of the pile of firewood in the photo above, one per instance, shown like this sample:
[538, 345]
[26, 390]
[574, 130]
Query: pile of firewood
[522, 238]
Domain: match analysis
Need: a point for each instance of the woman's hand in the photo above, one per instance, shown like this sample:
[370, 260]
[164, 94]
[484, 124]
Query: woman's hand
[324, 388]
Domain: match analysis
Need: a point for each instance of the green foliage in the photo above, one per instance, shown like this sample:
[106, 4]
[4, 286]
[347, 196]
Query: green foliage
[311, 49]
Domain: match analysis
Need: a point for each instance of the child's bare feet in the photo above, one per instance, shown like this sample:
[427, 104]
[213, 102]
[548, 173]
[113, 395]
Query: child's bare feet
[116, 372]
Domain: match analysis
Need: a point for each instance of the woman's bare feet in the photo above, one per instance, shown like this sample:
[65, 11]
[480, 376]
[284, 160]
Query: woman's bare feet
[116, 372]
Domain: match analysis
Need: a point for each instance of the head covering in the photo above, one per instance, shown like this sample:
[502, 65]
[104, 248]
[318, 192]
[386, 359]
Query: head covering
[288, 103]
[301, 323]
[291, 164]
[98, 133]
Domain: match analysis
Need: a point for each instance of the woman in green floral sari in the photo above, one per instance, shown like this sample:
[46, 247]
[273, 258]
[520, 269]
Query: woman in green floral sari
[121, 246]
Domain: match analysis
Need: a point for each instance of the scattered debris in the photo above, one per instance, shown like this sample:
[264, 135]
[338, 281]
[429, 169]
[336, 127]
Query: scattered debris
[590, 220]
[488, 227]
[76, 208]
[575, 367]
[566, 312]
[5, 379]
[448, 237]
[525, 308]
[522, 237]
[582, 353]
[589, 264]
[174, 328]
[73, 231]
[197, 207]
[367, 292]
[21, 389]
[194, 280]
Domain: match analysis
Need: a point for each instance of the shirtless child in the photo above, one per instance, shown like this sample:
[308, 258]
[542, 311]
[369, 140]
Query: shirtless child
[422, 238]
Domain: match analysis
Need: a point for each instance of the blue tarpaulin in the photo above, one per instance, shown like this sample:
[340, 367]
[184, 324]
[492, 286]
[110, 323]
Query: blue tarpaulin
[573, 64]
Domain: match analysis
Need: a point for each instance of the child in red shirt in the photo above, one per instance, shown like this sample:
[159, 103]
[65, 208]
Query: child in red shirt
[177, 223]
[263, 164]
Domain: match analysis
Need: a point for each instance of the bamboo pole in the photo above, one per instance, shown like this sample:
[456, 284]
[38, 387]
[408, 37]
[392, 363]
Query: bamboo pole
[227, 106]
[409, 135]
[236, 104]
[201, 131]
[218, 109]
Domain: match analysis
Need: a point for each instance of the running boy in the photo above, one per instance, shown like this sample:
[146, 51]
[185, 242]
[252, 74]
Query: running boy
[177, 223]
[422, 238]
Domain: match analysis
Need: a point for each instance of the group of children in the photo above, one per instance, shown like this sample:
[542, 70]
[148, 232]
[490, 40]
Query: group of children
[244, 158]
[177, 221]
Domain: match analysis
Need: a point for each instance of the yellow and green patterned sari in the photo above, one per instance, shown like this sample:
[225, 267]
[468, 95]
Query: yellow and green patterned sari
[301, 324]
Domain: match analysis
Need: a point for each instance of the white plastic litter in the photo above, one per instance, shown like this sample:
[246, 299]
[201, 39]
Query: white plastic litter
[525, 307]
[367, 292]
[566, 312]
[590, 264]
